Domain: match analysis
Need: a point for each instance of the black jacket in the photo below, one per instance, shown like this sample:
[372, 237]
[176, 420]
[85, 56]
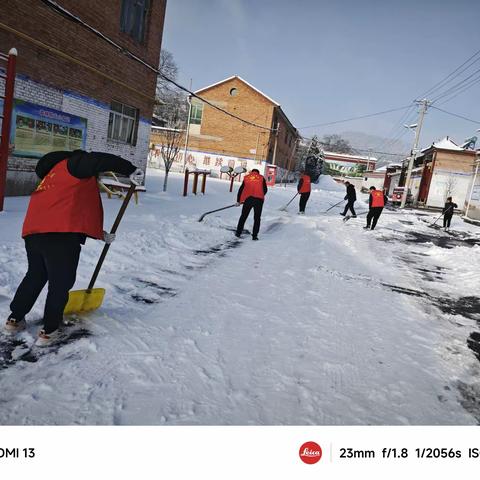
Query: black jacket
[240, 190]
[82, 164]
[448, 208]
[351, 195]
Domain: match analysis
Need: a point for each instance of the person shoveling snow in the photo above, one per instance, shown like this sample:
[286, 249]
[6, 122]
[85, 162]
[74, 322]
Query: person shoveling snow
[64, 210]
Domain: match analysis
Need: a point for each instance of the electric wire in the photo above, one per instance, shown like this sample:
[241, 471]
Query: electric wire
[451, 75]
[456, 115]
[70, 16]
[355, 118]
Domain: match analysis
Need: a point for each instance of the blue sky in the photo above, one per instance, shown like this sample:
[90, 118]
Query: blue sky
[329, 60]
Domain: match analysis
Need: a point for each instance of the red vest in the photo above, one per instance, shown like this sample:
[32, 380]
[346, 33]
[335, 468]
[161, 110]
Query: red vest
[306, 185]
[64, 203]
[252, 187]
[378, 199]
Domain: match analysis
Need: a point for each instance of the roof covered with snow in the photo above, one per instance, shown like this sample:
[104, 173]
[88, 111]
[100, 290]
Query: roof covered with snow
[445, 144]
[348, 156]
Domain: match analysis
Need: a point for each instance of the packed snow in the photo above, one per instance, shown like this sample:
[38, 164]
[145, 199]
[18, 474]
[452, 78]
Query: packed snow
[318, 323]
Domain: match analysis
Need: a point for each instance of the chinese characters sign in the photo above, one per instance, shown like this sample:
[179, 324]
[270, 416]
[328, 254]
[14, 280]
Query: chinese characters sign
[37, 130]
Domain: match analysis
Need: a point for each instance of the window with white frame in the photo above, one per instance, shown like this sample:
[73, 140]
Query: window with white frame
[123, 123]
[196, 113]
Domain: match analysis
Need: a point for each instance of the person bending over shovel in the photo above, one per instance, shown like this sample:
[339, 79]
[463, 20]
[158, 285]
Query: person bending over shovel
[252, 194]
[64, 210]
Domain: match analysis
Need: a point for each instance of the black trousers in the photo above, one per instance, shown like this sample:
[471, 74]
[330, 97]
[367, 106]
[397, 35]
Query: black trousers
[349, 206]
[446, 221]
[373, 216]
[257, 205]
[52, 258]
[303, 201]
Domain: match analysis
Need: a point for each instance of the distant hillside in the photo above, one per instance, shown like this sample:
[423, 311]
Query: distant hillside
[362, 142]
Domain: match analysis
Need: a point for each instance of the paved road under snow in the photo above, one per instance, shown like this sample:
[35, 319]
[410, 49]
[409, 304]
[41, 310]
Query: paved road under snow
[319, 322]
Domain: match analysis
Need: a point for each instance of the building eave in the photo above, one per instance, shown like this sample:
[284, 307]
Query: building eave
[198, 92]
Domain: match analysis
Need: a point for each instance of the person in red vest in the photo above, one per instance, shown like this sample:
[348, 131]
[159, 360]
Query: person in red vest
[304, 188]
[376, 202]
[64, 210]
[252, 194]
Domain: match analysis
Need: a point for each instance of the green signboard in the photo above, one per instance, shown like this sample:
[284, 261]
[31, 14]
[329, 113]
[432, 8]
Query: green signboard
[37, 130]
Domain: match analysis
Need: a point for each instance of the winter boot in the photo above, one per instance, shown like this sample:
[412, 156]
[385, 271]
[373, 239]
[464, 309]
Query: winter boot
[13, 325]
[47, 339]
[255, 238]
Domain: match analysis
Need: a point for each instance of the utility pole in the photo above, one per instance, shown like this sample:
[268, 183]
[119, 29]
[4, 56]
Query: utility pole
[189, 101]
[477, 164]
[277, 130]
[425, 103]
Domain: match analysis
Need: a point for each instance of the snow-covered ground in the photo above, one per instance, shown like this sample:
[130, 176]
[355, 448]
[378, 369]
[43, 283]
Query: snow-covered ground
[320, 322]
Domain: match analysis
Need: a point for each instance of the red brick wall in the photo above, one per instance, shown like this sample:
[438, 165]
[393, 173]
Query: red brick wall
[36, 20]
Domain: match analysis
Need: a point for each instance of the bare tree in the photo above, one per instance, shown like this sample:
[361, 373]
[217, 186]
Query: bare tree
[167, 67]
[450, 185]
[172, 136]
[335, 143]
[167, 94]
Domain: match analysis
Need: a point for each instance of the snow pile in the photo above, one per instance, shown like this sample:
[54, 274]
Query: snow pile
[327, 183]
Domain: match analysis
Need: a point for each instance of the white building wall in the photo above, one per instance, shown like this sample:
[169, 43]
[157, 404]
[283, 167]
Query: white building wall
[205, 161]
[474, 201]
[445, 184]
[376, 182]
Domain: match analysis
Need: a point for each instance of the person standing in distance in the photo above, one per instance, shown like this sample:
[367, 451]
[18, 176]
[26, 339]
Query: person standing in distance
[304, 188]
[448, 212]
[252, 194]
[376, 202]
[64, 210]
[351, 198]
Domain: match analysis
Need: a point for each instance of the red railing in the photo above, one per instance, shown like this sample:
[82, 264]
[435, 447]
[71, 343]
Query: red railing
[6, 116]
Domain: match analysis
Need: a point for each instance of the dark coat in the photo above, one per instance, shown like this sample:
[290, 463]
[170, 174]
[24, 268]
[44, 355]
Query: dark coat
[82, 164]
[351, 195]
[448, 208]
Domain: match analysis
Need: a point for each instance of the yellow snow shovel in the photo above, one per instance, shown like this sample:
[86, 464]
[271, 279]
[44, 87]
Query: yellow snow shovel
[80, 301]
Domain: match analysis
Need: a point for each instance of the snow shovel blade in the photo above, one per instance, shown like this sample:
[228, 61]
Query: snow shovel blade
[80, 301]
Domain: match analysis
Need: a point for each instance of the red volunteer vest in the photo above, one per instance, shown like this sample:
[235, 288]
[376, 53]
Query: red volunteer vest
[252, 187]
[306, 185]
[64, 203]
[377, 198]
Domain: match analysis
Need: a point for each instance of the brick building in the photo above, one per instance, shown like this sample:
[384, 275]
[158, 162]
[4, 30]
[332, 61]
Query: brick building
[215, 139]
[441, 170]
[74, 90]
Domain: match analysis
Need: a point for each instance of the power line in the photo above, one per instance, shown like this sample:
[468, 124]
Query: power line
[458, 85]
[460, 91]
[444, 81]
[70, 16]
[355, 118]
[456, 115]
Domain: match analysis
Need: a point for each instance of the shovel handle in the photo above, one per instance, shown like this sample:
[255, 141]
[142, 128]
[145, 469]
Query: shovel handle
[217, 210]
[124, 206]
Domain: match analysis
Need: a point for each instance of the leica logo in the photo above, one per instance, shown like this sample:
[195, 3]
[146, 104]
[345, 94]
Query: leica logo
[310, 452]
